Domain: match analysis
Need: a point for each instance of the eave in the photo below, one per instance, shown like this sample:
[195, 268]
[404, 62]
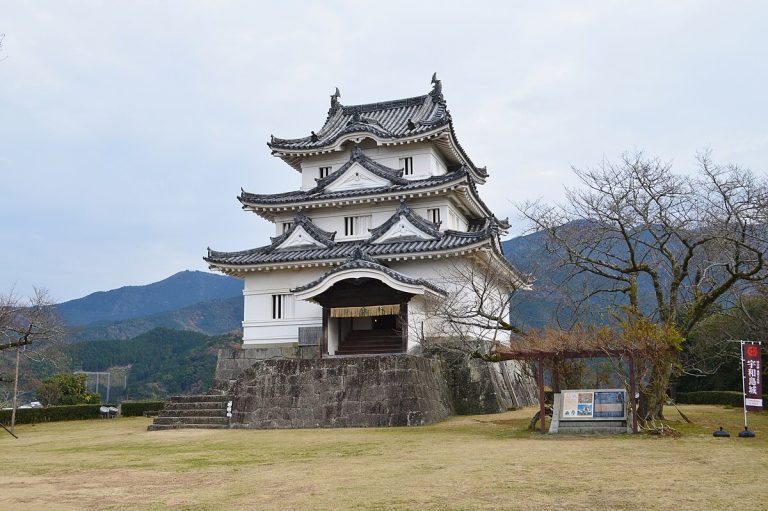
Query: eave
[269, 211]
[241, 270]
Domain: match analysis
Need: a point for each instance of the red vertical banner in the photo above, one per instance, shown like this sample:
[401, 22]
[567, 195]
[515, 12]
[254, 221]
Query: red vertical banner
[753, 379]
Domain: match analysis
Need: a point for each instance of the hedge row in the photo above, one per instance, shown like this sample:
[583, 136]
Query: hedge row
[137, 408]
[52, 413]
[714, 397]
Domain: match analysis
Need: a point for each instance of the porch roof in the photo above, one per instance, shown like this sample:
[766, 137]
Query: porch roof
[360, 265]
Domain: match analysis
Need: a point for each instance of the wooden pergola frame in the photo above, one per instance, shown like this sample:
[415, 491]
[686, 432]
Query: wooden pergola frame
[539, 356]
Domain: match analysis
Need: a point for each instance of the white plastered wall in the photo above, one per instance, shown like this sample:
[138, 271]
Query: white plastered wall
[258, 325]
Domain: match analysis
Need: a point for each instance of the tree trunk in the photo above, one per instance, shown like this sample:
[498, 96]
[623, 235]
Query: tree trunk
[15, 391]
[655, 393]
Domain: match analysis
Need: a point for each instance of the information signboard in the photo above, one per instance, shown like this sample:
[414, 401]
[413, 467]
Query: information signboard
[608, 404]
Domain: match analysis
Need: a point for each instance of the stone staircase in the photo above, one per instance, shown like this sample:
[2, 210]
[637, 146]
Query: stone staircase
[201, 412]
[369, 342]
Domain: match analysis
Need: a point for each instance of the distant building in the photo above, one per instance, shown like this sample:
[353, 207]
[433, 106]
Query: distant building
[388, 202]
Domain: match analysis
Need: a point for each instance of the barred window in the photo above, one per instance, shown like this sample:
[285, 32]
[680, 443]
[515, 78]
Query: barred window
[433, 215]
[287, 226]
[357, 225]
[279, 303]
[325, 172]
[407, 165]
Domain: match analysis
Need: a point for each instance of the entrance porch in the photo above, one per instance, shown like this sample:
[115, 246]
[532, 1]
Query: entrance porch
[364, 316]
[365, 306]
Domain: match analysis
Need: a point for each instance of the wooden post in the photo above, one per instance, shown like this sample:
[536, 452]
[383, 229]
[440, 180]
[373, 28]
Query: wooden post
[540, 384]
[404, 325]
[324, 341]
[556, 375]
[632, 392]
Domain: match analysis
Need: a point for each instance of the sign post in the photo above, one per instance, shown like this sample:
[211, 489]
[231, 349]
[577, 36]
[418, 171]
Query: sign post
[751, 381]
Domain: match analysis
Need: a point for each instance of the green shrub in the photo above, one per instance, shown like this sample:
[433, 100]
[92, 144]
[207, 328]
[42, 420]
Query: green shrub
[137, 408]
[52, 413]
[714, 397]
[66, 389]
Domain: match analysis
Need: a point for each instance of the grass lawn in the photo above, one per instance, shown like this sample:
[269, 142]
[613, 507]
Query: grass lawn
[471, 462]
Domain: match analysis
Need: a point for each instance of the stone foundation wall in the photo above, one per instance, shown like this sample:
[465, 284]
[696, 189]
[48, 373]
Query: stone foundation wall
[391, 390]
[231, 362]
[481, 387]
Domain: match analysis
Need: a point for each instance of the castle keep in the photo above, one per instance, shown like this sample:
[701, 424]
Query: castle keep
[337, 305]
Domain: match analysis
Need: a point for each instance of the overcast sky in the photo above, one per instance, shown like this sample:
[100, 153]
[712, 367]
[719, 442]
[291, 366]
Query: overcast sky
[128, 128]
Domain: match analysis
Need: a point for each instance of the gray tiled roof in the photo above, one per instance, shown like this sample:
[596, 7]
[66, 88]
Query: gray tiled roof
[449, 241]
[360, 259]
[316, 194]
[301, 220]
[417, 221]
[388, 120]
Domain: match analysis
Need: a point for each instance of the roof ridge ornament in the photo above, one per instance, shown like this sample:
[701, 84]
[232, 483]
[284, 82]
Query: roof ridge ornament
[357, 152]
[437, 89]
[335, 104]
[359, 255]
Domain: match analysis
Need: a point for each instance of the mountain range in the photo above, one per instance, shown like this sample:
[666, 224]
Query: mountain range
[177, 291]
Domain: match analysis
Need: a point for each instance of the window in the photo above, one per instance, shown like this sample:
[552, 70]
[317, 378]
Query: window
[407, 165]
[356, 225]
[287, 226]
[433, 215]
[325, 172]
[279, 310]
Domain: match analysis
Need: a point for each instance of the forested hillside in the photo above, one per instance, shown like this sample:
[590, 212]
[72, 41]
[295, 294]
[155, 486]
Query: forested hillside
[160, 363]
[180, 290]
[212, 317]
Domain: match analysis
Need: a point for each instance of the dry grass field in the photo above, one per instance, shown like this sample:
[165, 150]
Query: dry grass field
[475, 462]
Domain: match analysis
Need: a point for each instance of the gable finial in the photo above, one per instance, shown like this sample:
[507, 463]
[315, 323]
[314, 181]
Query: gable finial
[335, 104]
[356, 152]
[437, 88]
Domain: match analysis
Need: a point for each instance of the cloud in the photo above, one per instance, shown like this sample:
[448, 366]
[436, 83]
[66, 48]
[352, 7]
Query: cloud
[130, 127]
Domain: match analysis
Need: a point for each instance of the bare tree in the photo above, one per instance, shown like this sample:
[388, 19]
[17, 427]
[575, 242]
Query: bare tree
[476, 312]
[22, 323]
[690, 239]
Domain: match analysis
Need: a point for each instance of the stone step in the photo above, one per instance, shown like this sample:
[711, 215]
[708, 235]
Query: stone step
[196, 412]
[191, 420]
[382, 331]
[204, 398]
[208, 405]
[369, 340]
[373, 340]
[369, 351]
[160, 427]
[369, 346]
